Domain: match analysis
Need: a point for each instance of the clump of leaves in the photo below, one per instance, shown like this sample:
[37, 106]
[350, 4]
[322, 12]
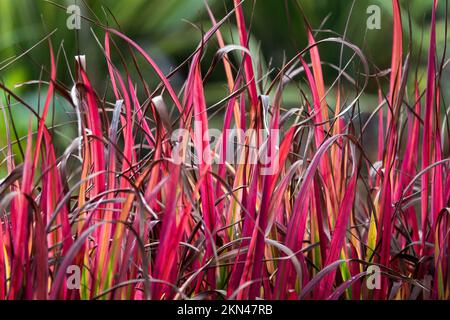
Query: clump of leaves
[140, 225]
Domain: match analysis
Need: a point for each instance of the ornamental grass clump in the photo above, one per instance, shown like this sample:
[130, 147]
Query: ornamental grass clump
[150, 200]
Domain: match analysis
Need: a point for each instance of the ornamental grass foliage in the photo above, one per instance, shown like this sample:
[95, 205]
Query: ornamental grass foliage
[162, 195]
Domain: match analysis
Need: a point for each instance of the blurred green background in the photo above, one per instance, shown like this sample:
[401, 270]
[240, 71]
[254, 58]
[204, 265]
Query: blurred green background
[165, 29]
